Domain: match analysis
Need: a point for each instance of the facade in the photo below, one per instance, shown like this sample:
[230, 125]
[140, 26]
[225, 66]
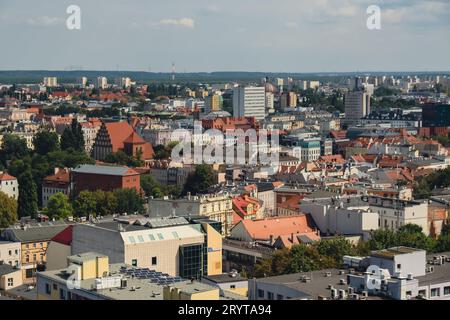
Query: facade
[214, 207]
[102, 83]
[249, 102]
[10, 253]
[50, 82]
[34, 241]
[357, 106]
[310, 149]
[213, 103]
[231, 282]
[9, 185]
[106, 178]
[120, 136]
[10, 277]
[171, 246]
[93, 278]
[289, 100]
[59, 182]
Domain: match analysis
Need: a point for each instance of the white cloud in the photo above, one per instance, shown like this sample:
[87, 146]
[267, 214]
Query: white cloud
[44, 21]
[183, 22]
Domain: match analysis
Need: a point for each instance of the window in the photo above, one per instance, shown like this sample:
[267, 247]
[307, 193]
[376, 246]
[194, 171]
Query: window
[154, 261]
[132, 240]
[48, 289]
[152, 238]
[62, 294]
[134, 262]
[175, 235]
[55, 286]
[10, 252]
[10, 282]
[446, 291]
[270, 295]
[160, 236]
[27, 258]
[280, 297]
[260, 293]
[141, 238]
[399, 266]
[233, 286]
[435, 292]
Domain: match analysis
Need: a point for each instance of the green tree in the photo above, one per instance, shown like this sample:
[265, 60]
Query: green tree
[13, 147]
[58, 207]
[72, 137]
[45, 142]
[8, 210]
[200, 181]
[85, 205]
[129, 201]
[28, 201]
[336, 249]
[106, 202]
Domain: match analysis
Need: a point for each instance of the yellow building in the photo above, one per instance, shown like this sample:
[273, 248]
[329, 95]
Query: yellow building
[91, 277]
[191, 291]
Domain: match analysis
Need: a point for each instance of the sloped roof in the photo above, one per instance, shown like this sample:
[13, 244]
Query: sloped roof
[118, 133]
[105, 170]
[263, 229]
[6, 177]
[65, 236]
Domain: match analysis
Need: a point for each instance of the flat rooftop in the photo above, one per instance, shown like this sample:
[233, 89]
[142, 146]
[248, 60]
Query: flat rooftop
[392, 252]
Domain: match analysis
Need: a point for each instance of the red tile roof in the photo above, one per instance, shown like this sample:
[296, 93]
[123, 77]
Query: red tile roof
[263, 229]
[6, 177]
[118, 133]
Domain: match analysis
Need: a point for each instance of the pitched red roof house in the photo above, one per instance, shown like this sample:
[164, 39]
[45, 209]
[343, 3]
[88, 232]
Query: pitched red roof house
[115, 136]
[4, 176]
[271, 228]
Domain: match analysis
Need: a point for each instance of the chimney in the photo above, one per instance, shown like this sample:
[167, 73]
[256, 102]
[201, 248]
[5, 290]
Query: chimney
[271, 239]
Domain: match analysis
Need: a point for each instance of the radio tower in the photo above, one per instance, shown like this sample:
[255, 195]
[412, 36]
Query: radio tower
[173, 71]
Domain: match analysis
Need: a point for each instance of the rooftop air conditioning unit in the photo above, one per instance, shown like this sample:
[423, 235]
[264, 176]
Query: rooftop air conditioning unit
[410, 276]
[327, 274]
[341, 272]
[342, 281]
[351, 290]
[334, 293]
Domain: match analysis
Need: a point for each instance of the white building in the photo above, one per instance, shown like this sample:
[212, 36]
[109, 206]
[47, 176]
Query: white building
[10, 253]
[249, 102]
[270, 102]
[50, 82]
[82, 81]
[9, 185]
[123, 82]
[102, 82]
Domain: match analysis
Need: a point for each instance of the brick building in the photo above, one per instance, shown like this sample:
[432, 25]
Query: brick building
[106, 178]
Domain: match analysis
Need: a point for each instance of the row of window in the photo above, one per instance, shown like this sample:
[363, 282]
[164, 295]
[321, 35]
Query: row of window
[270, 295]
[436, 292]
[134, 262]
[41, 258]
[151, 237]
[62, 292]
[41, 245]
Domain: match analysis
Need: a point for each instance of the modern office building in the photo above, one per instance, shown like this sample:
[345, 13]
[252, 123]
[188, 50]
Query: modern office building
[249, 102]
[170, 245]
[357, 106]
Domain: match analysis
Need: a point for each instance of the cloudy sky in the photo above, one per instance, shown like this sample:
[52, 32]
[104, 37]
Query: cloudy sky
[232, 35]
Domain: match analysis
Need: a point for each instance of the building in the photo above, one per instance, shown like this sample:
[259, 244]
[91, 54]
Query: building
[268, 230]
[249, 102]
[82, 82]
[289, 100]
[59, 182]
[89, 276]
[103, 177]
[405, 274]
[102, 83]
[50, 82]
[10, 277]
[357, 106]
[213, 103]
[90, 130]
[10, 253]
[228, 282]
[9, 185]
[168, 245]
[314, 285]
[123, 82]
[214, 207]
[120, 136]
[34, 239]
[58, 249]
[246, 208]
[270, 103]
[310, 149]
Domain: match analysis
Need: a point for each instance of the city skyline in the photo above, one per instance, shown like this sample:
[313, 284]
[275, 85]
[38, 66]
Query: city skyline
[245, 36]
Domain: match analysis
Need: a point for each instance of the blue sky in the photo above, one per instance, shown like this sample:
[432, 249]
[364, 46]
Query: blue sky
[233, 35]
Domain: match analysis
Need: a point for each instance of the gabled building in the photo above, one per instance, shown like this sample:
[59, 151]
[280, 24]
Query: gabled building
[120, 136]
[59, 182]
[9, 185]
